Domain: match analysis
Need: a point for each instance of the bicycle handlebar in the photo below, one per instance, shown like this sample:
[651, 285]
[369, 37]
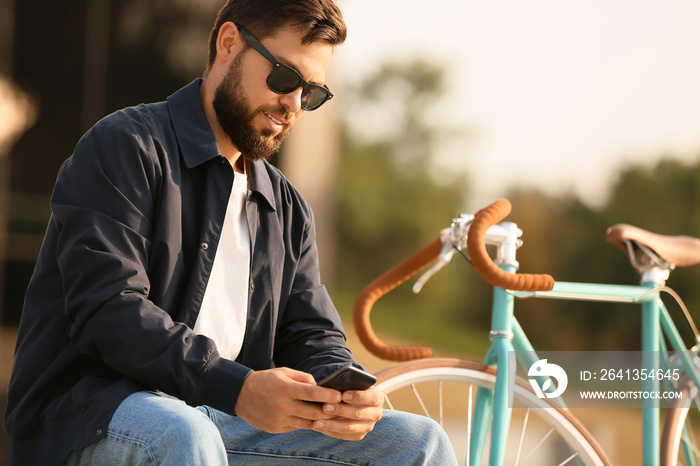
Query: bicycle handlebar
[378, 288]
[398, 274]
[483, 263]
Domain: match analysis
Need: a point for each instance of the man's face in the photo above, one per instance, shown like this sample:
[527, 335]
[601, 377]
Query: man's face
[236, 116]
[255, 118]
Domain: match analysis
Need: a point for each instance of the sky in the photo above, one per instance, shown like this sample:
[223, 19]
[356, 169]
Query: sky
[557, 94]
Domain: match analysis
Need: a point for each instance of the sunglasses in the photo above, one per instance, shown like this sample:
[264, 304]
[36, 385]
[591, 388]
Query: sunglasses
[284, 79]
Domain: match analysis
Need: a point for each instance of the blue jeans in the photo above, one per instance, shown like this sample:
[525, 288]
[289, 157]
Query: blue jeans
[153, 428]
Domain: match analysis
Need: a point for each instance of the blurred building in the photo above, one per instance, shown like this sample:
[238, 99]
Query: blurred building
[309, 159]
[79, 61]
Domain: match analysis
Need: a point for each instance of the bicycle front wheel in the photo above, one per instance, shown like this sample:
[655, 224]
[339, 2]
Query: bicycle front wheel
[443, 389]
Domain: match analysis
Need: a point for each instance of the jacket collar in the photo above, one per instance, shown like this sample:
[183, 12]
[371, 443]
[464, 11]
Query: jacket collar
[198, 143]
[194, 135]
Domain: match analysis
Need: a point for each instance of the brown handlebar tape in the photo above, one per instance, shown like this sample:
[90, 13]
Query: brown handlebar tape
[378, 288]
[397, 275]
[483, 263]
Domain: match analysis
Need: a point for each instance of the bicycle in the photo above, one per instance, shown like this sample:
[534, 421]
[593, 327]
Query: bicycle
[487, 388]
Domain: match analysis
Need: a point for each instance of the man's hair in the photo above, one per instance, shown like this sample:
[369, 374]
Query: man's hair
[319, 20]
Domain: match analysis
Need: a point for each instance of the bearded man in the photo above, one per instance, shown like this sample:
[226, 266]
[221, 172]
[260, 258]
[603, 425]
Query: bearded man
[176, 313]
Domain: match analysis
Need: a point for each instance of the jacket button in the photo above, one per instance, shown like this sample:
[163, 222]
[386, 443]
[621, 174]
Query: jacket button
[99, 431]
[205, 246]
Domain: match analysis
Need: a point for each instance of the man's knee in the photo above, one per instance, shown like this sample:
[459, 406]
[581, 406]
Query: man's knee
[194, 430]
[168, 430]
[187, 432]
[419, 436]
[410, 426]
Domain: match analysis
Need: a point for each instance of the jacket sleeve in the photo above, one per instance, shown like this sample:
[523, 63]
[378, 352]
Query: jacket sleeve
[310, 336]
[103, 205]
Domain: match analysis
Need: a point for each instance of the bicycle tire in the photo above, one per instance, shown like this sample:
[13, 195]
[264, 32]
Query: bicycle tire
[580, 444]
[673, 437]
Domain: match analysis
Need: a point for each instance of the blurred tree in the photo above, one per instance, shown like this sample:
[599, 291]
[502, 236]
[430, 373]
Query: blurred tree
[664, 198]
[566, 238]
[389, 209]
[391, 202]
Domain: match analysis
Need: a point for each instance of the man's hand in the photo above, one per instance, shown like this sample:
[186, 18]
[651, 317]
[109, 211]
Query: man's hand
[355, 417]
[282, 400]
[277, 400]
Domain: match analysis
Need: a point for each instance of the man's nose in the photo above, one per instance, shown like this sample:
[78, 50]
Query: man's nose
[292, 101]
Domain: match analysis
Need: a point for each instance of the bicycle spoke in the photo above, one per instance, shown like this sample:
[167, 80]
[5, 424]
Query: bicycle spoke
[420, 400]
[388, 402]
[575, 455]
[538, 445]
[522, 437]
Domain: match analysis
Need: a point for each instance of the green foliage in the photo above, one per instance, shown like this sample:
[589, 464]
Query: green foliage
[566, 238]
[390, 205]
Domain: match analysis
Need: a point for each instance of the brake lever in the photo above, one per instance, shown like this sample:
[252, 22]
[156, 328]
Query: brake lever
[453, 240]
[443, 259]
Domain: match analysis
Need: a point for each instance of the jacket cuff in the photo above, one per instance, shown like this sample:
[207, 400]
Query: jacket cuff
[221, 384]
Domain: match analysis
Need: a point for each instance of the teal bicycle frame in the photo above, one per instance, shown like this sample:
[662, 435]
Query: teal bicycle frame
[507, 336]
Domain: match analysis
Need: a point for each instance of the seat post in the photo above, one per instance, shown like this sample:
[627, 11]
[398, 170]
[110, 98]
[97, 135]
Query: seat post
[656, 275]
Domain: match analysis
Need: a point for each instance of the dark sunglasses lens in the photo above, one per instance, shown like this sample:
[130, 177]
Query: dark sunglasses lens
[283, 79]
[313, 97]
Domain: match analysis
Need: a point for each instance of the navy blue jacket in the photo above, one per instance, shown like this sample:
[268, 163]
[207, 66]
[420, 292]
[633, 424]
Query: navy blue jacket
[137, 213]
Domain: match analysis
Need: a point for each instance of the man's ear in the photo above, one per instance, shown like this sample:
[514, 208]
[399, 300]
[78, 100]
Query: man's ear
[228, 42]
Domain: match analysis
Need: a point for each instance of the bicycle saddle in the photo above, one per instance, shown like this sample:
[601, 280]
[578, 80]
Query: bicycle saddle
[679, 251]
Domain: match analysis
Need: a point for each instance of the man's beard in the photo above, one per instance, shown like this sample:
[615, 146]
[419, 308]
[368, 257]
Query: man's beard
[236, 117]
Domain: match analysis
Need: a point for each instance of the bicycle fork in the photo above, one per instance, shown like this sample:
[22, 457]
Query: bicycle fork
[492, 405]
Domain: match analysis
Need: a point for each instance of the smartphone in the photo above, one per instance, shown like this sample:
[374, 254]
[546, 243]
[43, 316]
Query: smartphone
[348, 378]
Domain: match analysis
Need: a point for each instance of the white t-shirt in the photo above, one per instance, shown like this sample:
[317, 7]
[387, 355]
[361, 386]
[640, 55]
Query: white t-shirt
[225, 304]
